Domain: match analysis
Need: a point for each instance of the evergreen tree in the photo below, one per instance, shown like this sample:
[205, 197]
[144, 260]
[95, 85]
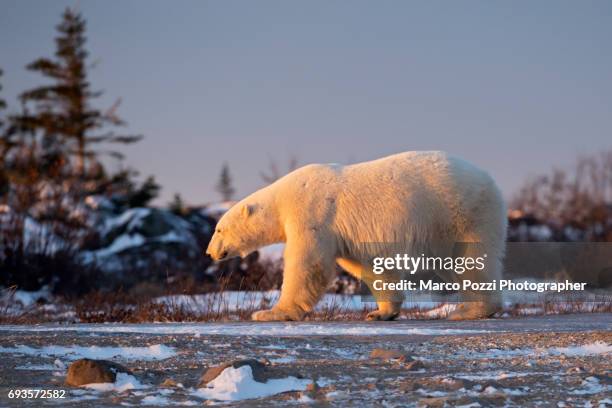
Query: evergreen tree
[224, 186]
[2, 102]
[62, 112]
[177, 205]
[142, 195]
[3, 145]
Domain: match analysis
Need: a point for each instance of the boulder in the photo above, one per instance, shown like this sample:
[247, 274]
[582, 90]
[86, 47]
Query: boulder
[260, 372]
[86, 371]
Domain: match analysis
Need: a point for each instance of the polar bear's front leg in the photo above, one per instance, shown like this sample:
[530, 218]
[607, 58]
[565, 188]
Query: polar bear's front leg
[274, 315]
[309, 269]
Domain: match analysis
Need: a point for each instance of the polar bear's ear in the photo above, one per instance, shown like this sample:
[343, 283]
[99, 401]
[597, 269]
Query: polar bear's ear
[248, 210]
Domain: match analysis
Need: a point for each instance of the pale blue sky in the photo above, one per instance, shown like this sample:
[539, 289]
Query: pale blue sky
[516, 87]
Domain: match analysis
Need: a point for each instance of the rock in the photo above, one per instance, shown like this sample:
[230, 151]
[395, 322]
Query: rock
[389, 355]
[313, 392]
[260, 373]
[168, 383]
[397, 355]
[312, 387]
[433, 402]
[86, 371]
[414, 365]
[574, 370]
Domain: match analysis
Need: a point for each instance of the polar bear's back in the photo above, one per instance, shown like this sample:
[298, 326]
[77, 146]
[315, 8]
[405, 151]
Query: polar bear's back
[416, 197]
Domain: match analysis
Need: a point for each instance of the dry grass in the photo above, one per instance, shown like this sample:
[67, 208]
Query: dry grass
[123, 308]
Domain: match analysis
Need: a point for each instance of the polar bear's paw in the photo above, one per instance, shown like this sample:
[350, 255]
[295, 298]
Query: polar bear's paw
[380, 315]
[271, 315]
[473, 311]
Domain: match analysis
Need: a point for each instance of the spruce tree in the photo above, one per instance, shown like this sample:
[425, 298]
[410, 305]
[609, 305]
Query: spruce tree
[62, 112]
[224, 186]
[2, 101]
[3, 145]
[177, 205]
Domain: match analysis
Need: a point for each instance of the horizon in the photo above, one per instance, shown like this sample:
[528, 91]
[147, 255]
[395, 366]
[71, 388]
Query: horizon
[515, 88]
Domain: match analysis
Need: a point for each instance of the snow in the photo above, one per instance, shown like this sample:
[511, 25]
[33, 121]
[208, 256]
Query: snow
[154, 352]
[234, 384]
[272, 252]
[233, 301]
[121, 243]
[37, 367]
[132, 217]
[253, 329]
[27, 299]
[590, 349]
[283, 360]
[57, 365]
[171, 236]
[599, 347]
[122, 383]
[591, 385]
[496, 375]
[155, 400]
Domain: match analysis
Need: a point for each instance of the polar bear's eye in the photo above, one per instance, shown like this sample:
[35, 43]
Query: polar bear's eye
[218, 230]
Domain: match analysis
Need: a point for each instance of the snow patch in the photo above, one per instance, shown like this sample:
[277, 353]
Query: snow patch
[155, 400]
[154, 352]
[234, 384]
[27, 299]
[591, 385]
[590, 349]
[272, 253]
[250, 329]
[598, 347]
[283, 360]
[122, 383]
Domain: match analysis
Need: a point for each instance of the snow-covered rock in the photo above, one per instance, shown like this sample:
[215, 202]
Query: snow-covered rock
[140, 236]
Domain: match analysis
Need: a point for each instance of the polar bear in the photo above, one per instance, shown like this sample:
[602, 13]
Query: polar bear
[329, 213]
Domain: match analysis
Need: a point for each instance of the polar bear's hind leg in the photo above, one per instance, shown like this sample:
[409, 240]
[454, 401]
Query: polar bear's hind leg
[388, 307]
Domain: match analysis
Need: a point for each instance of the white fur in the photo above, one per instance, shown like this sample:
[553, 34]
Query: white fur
[327, 214]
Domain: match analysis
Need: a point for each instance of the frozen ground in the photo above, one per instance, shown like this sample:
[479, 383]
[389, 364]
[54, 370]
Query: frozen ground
[560, 361]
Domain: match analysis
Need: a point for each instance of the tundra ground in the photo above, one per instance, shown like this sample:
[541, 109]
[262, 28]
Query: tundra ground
[563, 360]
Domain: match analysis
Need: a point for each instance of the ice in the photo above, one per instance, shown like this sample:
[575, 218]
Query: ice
[234, 384]
[154, 352]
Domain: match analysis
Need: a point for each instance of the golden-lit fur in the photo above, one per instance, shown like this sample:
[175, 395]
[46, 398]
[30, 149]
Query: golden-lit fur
[328, 214]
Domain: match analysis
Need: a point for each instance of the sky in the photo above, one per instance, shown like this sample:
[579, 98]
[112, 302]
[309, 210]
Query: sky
[515, 87]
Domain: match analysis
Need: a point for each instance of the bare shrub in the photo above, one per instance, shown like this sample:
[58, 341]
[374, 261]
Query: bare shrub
[580, 197]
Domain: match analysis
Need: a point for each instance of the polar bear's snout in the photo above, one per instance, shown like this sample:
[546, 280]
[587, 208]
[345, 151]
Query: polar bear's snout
[216, 249]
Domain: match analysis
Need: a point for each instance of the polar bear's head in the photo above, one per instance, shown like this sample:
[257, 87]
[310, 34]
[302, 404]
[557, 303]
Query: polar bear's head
[246, 226]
